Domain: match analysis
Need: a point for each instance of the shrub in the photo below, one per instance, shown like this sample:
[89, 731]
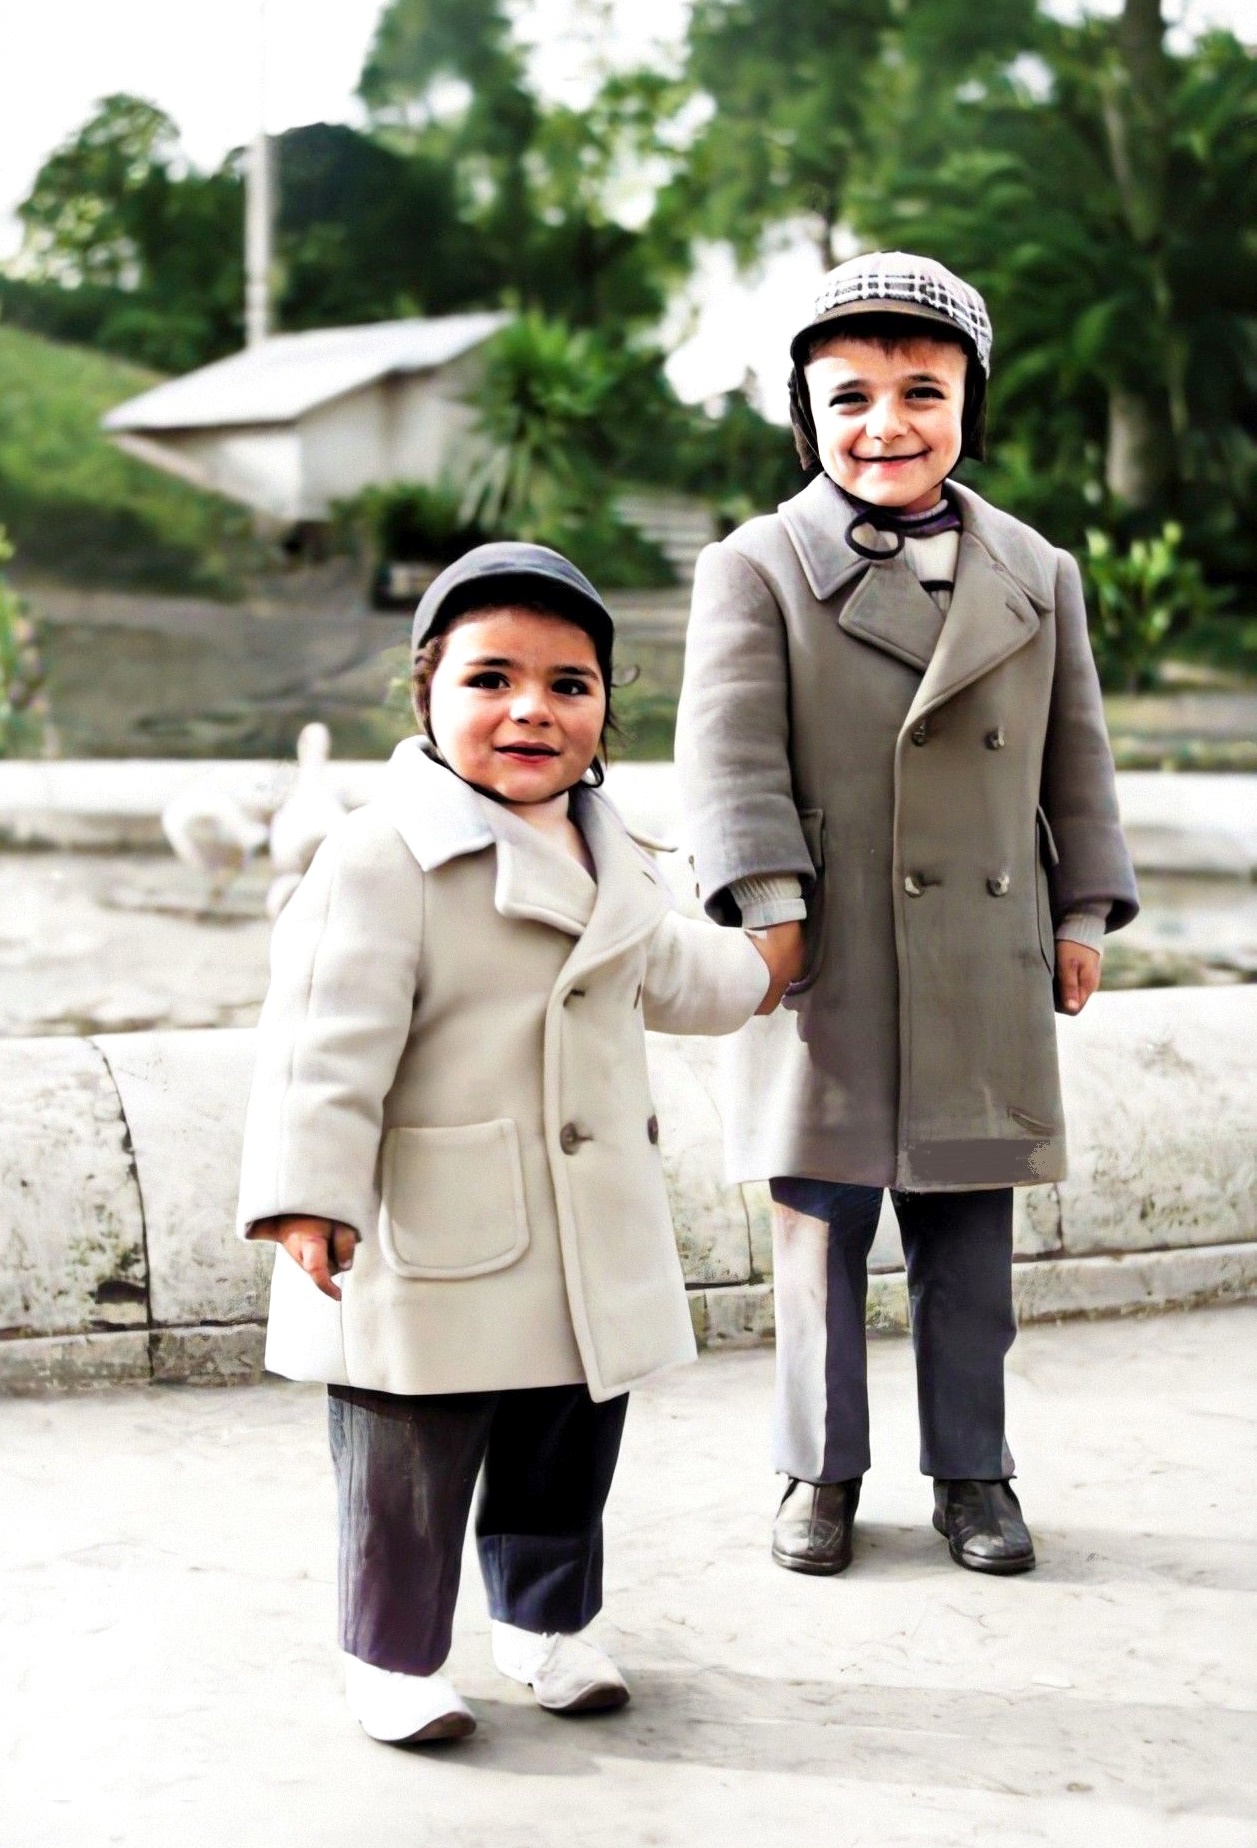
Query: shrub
[1141, 601]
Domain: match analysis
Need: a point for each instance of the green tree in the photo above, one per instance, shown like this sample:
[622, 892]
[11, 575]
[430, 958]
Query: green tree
[429, 54]
[115, 211]
[1098, 184]
[1105, 213]
[366, 232]
[447, 79]
[795, 90]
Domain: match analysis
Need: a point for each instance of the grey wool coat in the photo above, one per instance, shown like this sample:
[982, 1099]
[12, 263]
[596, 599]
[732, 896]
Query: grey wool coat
[451, 1059]
[944, 788]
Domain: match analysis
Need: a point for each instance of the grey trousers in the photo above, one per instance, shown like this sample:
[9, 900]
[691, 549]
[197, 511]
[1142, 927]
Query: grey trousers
[406, 1470]
[958, 1250]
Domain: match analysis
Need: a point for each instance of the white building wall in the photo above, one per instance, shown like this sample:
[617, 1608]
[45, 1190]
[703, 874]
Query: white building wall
[344, 448]
[431, 424]
[260, 467]
[405, 427]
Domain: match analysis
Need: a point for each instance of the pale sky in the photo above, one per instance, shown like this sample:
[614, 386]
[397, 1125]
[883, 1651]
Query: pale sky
[201, 61]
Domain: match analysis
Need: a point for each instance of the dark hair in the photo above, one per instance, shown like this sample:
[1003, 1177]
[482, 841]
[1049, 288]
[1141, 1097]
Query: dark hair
[889, 331]
[428, 659]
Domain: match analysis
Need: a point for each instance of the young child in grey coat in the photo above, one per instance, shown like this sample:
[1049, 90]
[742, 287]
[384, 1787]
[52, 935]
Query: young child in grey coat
[891, 744]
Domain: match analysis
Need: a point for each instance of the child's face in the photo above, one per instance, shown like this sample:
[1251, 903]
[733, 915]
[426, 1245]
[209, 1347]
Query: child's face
[888, 423]
[517, 703]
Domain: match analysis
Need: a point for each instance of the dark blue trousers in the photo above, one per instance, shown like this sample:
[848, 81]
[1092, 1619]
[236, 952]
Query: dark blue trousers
[958, 1250]
[406, 1471]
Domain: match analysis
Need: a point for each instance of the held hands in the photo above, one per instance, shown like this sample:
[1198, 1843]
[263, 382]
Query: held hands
[781, 946]
[1077, 974]
[322, 1247]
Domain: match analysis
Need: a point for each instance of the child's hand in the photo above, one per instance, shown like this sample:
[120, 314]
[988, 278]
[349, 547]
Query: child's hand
[1077, 974]
[781, 946]
[320, 1246]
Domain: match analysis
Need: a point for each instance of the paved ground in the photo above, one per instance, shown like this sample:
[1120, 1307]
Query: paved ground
[167, 1597]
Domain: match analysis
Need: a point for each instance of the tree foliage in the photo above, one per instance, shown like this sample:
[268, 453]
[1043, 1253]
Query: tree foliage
[155, 246]
[535, 183]
[1097, 181]
[1100, 188]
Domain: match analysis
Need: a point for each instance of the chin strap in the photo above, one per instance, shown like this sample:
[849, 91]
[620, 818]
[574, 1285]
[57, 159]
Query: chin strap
[897, 526]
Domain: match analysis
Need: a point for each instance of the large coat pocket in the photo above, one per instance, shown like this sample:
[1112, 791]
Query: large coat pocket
[452, 1200]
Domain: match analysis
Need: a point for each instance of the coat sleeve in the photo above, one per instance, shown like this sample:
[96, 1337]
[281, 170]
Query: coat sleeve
[733, 734]
[1079, 788]
[344, 966]
[700, 979]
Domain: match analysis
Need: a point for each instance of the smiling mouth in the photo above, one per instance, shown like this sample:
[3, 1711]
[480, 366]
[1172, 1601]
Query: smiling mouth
[885, 461]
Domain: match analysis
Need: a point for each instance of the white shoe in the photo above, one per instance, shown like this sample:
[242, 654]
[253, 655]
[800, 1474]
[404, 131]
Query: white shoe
[566, 1673]
[405, 1709]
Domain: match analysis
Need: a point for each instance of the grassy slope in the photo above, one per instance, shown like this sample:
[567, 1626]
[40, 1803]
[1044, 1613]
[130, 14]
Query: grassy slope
[76, 507]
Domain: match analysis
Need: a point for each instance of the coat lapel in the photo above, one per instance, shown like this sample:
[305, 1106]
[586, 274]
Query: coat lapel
[631, 898]
[990, 618]
[535, 878]
[889, 609]
[816, 521]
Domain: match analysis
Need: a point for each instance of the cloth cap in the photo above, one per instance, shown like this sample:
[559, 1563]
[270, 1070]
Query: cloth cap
[897, 282]
[508, 571]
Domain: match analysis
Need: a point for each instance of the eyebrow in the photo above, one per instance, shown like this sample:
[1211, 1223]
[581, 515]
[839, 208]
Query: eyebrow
[586, 673]
[913, 378]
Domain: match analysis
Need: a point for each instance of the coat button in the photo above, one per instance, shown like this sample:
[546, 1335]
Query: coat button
[652, 1129]
[995, 739]
[570, 1138]
[998, 887]
[920, 732]
[912, 886]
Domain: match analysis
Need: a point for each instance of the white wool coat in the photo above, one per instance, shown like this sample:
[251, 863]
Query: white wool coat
[451, 1059]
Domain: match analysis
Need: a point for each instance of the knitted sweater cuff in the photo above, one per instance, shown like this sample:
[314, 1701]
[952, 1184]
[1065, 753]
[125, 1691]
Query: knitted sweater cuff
[1085, 927]
[772, 898]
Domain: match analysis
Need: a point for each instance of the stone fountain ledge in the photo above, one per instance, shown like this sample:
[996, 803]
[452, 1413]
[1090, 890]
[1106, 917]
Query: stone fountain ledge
[119, 1154]
[1176, 823]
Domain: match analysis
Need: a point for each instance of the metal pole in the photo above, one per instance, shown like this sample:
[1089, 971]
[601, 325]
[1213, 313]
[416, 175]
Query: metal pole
[257, 242]
[258, 211]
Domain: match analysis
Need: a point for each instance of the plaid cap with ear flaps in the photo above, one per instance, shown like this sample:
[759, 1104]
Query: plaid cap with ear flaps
[897, 282]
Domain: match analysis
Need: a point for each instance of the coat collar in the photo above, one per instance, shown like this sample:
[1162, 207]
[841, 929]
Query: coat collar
[1004, 584]
[817, 518]
[437, 815]
[440, 817]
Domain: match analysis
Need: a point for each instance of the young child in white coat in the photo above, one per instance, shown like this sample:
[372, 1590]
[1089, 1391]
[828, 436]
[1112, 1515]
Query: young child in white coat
[451, 1113]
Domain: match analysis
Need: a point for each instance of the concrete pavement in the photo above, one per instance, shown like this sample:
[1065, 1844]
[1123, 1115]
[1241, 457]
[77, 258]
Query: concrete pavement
[168, 1677]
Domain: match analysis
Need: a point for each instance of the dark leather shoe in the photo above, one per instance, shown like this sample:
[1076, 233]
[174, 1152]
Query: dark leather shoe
[812, 1532]
[983, 1526]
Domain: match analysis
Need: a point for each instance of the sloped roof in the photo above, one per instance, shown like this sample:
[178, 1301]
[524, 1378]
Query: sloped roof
[289, 374]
